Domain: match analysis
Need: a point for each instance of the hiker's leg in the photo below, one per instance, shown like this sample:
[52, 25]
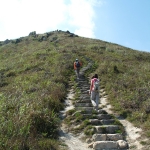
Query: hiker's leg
[78, 72]
[93, 96]
[97, 100]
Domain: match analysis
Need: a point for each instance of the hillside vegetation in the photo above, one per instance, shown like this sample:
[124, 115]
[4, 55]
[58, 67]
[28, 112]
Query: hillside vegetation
[34, 74]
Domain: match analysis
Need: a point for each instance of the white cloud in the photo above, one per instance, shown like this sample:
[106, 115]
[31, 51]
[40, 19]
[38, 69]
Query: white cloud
[81, 14]
[85, 32]
[19, 17]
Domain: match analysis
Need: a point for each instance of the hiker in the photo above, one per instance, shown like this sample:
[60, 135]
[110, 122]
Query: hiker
[77, 66]
[94, 91]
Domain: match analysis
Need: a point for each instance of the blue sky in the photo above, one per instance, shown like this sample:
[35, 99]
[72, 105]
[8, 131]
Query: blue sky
[124, 22]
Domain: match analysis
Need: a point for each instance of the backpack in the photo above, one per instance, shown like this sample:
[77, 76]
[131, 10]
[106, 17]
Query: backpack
[96, 85]
[77, 64]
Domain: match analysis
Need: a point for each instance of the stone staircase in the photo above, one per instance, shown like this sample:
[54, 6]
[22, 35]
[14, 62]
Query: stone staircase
[108, 133]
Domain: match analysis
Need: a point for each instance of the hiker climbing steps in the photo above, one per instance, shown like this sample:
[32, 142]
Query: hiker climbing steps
[104, 131]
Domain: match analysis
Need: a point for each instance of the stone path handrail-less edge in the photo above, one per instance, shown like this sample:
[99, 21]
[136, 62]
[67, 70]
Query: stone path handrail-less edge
[106, 135]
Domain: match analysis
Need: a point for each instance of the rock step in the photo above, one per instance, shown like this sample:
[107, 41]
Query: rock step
[101, 122]
[106, 129]
[85, 109]
[110, 145]
[84, 97]
[85, 87]
[84, 92]
[92, 115]
[83, 105]
[82, 82]
[100, 114]
[103, 116]
[83, 101]
[97, 115]
[106, 137]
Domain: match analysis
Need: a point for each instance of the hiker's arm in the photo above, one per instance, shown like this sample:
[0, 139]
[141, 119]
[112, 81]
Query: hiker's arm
[74, 66]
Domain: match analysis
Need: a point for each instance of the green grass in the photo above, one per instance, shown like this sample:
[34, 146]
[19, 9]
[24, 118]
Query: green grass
[35, 76]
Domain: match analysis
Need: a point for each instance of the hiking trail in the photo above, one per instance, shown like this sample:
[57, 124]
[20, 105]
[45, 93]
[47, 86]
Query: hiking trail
[107, 135]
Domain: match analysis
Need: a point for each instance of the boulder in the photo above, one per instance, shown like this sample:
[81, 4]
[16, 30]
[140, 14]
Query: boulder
[122, 144]
[32, 34]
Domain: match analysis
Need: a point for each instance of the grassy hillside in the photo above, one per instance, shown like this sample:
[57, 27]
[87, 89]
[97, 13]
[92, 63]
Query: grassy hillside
[34, 76]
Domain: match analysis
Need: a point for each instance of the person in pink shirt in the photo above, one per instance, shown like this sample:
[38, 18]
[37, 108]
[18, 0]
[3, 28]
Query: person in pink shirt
[94, 92]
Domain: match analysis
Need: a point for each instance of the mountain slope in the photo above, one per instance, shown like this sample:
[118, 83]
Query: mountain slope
[34, 75]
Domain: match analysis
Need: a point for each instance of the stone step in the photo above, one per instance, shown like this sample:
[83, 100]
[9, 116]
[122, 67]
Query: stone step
[107, 137]
[103, 116]
[81, 82]
[110, 145]
[83, 105]
[85, 109]
[83, 101]
[106, 129]
[94, 114]
[85, 87]
[95, 122]
[101, 122]
[84, 92]
[107, 121]
[84, 97]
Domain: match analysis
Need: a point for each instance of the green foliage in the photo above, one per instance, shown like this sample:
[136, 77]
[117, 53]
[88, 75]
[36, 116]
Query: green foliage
[89, 130]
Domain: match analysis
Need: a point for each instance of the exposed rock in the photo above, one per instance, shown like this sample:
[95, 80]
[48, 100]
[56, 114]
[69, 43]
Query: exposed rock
[17, 41]
[99, 137]
[32, 34]
[122, 144]
[105, 145]
[114, 137]
[67, 31]
[6, 41]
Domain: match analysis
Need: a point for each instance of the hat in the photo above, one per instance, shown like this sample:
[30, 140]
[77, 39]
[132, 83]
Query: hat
[76, 59]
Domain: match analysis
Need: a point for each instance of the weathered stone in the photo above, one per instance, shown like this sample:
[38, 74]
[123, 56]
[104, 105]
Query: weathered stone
[122, 144]
[107, 122]
[87, 109]
[17, 41]
[103, 116]
[100, 145]
[114, 137]
[32, 33]
[99, 137]
[6, 41]
[106, 129]
[94, 121]
[83, 101]
[83, 105]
